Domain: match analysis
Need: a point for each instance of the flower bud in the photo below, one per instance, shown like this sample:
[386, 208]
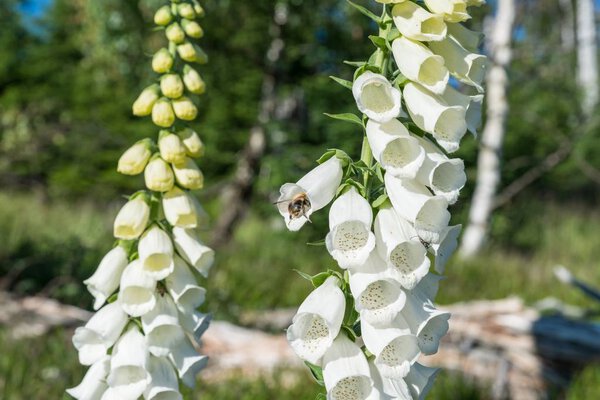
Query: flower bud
[174, 33]
[162, 113]
[163, 16]
[188, 175]
[190, 53]
[159, 175]
[142, 106]
[185, 109]
[192, 142]
[186, 10]
[192, 29]
[200, 11]
[162, 61]
[171, 86]
[171, 148]
[193, 81]
[132, 219]
[134, 160]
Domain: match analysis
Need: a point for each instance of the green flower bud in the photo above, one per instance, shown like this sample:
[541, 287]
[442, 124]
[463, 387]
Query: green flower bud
[185, 109]
[188, 175]
[162, 61]
[171, 86]
[163, 16]
[191, 53]
[158, 175]
[171, 148]
[134, 160]
[193, 81]
[162, 113]
[198, 8]
[186, 10]
[174, 33]
[143, 105]
[192, 29]
[192, 142]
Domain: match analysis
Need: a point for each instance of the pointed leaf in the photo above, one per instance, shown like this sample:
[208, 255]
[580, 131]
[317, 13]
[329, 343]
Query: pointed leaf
[343, 82]
[366, 12]
[348, 117]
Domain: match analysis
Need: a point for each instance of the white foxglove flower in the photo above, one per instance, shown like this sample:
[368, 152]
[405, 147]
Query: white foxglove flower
[395, 149]
[158, 175]
[444, 176]
[192, 143]
[193, 251]
[446, 247]
[394, 346]
[137, 290]
[99, 334]
[188, 174]
[432, 114]
[425, 321]
[132, 219]
[194, 322]
[107, 276]
[416, 23]
[467, 67]
[93, 384]
[346, 372]
[376, 97]
[399, 245]
[171, 147]
[452, 10]
[164, 384]
[312, 192]
[181, 285]
[420, 380]
[161, 326]
[469, 39]
[128, 376]
[187, 361]
[179, 208]
[156, 253]
[473, 105]
[318, 321]
[416, 62]
[413, 202]
[350, 240]
[135, 158]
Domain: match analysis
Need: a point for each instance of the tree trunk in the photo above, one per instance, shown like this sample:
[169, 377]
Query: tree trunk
[488, 163]
[587, 63]
[567, 26]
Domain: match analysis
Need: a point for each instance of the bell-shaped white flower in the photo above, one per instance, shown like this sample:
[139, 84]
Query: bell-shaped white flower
[194, 322]
[312, 192]
[376, 97]
[399, 245]
[93, 384]
[181, 285]
[416, 62]
[394, 346]
[432, 114]
[128, 376]
[161, 326]
[318, 321]
[137, 290]
[473, 105]
[346, 372]
[395, 149]
[469, 39]
[378, 298]
[164, 384]
[452, 10]
[350, 240]
[132, 219]
[105, 279]
[446, 247]
[188, 174]
[425, 321]
[193, 251]
[416, 23]
[187, 361]
[156, 253]
[420, 380]
[413, 202]
[179, 208]
[467, 67]
[99, 334]
[444, 176]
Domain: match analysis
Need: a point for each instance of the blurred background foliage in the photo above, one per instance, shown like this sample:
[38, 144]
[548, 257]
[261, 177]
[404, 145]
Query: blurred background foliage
[70, 71]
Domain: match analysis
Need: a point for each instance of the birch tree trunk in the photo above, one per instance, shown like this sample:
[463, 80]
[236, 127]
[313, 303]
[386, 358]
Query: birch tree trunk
[488, 163]
[587, 62]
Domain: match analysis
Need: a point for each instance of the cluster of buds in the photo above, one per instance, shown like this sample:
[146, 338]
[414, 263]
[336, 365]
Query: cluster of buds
[363, 329]
[141, 341]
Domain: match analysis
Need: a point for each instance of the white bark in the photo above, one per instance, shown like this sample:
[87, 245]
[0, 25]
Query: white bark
[587, 62]
[488, 163]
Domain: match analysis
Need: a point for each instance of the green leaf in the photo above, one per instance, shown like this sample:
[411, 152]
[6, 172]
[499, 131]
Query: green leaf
[326, 156]
[321, 396]
[366, 12]
[348, 117]
[303, 274]
[317, 373]
[320, 278]
[349, 332]
[355, 63]
[317, 243]
[378, 202]
[379, 42]
[357, 329]
[112, 298]
[343, 82]
[379, 172]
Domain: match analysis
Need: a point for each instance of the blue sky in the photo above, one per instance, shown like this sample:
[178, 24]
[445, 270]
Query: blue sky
[34, 8]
